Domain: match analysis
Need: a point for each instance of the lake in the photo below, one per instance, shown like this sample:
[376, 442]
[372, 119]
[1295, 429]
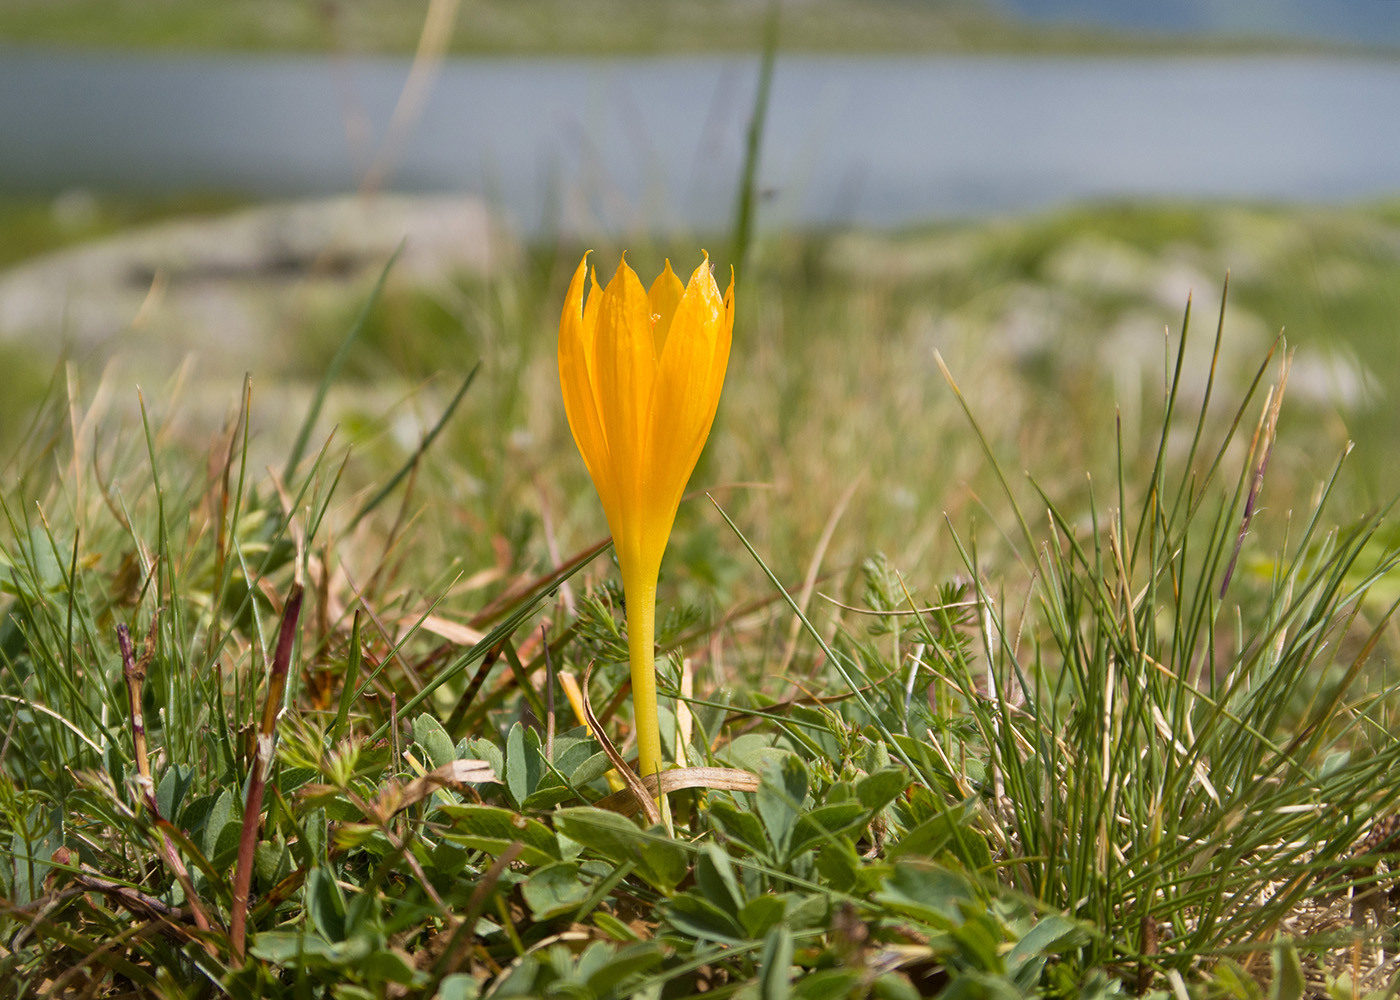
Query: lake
[658, 143]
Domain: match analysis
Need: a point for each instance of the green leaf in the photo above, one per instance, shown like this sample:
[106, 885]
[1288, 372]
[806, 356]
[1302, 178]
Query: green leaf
[928, 892]
[1288, 983]
[775, 965]
[877, 790]
[219, 816]
[290, 779]
[307, 950]
[664, 862]
[448, 859]
[170, 793]
[612, 927]
[896, 986]
[698, 917]
[925, 840]
[613, 836]
[590, 770]
[314, 832]
[948, 830]
[325, 904]
[714, 876]
[873, 754]
[1235, 981]
[660, 861]
[488, 751]
[838, 864]
[804, 911]
[628, 962]
[385, 966]
[459, 986]
[761, 913]
[781, 791]
[272, 861]
[827, 984]
[979, 940]
[554, 890]
[226, 843]
[824, 822]
[1050, 934]
[524, 763]
[570, 751]
[744, 828]
[493, 829]
[429, 734]
[751, 751]
[593, 960]
[547, 797]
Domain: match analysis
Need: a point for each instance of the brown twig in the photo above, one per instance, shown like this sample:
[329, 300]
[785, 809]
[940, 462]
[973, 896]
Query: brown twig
[134, 672]
[137, 902]
[262, 765]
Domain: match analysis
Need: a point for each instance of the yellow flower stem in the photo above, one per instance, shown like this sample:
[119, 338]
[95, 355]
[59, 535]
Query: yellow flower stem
[640, 590]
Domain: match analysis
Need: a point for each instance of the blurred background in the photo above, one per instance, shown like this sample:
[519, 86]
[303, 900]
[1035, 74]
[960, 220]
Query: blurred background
[1033, 188]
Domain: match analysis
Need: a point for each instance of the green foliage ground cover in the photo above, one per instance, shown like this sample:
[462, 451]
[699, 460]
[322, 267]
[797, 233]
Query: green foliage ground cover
[552, 27]
[1074, 737]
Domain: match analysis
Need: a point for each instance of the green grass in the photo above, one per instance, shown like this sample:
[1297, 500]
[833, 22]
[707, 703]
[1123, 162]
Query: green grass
[1065, 736]
[551, 27]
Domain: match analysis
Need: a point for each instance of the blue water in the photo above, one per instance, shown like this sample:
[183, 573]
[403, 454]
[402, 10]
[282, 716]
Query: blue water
[658, 142]
[1353, 22]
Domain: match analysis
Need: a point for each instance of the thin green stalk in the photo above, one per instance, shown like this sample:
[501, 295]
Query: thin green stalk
[641, 650]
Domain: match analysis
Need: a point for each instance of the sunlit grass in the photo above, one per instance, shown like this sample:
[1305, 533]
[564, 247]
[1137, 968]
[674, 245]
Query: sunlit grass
[553, 27]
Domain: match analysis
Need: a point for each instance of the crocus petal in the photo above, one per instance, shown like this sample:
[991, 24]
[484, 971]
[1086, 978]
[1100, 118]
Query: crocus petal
[624, 365]
[578, 384]
[688, 380]
[664, 296]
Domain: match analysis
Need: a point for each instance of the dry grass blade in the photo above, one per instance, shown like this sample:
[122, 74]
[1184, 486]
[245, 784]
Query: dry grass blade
[814, 566]
[397, 796]
[725, 779]
[1268, 430]
[643, 796]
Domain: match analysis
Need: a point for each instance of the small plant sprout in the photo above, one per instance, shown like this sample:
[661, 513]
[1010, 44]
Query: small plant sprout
[641, 374]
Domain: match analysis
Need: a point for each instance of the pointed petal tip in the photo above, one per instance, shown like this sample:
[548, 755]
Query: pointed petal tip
[573, 298]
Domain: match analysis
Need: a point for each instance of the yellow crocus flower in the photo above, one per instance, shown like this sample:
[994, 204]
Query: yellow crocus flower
[641, 374]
